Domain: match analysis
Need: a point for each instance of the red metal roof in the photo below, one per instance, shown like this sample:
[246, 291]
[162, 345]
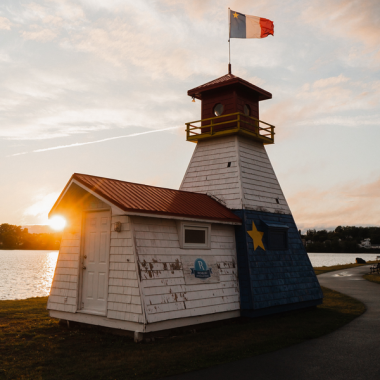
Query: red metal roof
[135, 197]
[227, 80]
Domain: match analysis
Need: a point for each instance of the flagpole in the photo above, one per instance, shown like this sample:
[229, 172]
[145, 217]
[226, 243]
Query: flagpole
[229, 41]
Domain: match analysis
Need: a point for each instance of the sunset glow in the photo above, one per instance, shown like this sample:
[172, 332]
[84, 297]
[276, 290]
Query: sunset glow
[87, 84]
[57, 223]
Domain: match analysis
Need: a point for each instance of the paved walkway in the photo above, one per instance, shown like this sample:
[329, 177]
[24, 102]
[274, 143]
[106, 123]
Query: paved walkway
[352, 352]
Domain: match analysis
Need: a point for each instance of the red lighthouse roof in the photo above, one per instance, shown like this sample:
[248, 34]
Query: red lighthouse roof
[225, 80]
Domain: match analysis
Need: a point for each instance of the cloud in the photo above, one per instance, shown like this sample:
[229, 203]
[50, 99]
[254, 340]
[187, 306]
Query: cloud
[94, 142]
[353, 20]
[53, 12]
[43, 202]
[43, 35]
[344, 204]
[312, 103]
[5, 24]
[142, 39]
[332, 81]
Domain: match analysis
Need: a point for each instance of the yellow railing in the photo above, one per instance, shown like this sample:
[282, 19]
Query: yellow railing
[237, 123]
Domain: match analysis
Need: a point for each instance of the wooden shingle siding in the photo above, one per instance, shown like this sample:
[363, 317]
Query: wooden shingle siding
[250, 181]
[258, 179]
[274, 278]
[124, 301]
[208, 171]
[165, 294]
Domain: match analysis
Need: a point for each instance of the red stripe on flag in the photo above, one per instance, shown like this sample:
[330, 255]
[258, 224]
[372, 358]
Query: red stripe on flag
[267, 27]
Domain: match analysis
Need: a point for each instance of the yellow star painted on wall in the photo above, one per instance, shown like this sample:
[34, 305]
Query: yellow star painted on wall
[257, 237]
[236, 15]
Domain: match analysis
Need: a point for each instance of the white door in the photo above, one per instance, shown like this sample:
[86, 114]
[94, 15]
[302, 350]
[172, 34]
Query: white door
[95, 261]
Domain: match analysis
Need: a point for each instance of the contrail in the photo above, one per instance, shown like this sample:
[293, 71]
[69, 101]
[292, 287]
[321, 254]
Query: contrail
[93, 142]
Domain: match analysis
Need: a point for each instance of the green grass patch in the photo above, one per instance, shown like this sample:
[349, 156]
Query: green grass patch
[320, 270]
[34, 346]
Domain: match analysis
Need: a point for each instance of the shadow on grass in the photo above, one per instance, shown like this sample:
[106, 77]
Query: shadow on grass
[34, 346]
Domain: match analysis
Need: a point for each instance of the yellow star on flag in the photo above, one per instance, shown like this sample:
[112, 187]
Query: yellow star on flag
[236, 15]
[257, 237]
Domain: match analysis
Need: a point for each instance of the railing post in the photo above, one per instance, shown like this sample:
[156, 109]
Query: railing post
[238, 121]
[272, 132]
[187, 131]
[212, 127]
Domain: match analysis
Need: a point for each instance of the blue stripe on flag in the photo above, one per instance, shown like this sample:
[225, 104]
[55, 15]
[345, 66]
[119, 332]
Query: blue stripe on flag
[238, 26]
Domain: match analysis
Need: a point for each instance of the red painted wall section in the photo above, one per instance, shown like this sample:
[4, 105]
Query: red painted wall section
[233, 98]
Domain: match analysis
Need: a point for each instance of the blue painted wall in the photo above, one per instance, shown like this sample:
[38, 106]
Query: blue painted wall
[273, 281]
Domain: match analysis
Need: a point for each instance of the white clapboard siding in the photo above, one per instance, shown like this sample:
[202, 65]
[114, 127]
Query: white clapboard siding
[165, 293]
[250, 182]
[64, 288]
[256, 169]
[124, 300]
[208, 171]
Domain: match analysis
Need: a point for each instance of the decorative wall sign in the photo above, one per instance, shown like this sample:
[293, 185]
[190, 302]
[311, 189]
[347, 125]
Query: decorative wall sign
[200, 270]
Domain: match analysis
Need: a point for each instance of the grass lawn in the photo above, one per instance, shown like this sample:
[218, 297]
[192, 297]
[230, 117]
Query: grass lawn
[372, 277]
[34, 346]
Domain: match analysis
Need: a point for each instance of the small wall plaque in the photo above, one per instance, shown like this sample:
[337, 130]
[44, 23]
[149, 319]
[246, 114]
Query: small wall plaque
[117, 227]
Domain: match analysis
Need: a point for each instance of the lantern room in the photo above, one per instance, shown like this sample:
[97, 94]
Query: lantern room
[230, 105]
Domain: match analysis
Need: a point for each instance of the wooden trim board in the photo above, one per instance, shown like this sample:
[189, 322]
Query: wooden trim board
[139, 327]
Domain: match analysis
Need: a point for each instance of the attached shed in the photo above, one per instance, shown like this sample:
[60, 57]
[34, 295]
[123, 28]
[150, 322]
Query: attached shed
[143, 258]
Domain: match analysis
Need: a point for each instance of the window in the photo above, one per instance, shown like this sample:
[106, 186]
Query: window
[194, 235]
[218, 109]
[247, 110]
[277, 237]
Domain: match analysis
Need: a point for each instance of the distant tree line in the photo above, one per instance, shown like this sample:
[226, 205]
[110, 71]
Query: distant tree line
[16, 237]
[342, 240]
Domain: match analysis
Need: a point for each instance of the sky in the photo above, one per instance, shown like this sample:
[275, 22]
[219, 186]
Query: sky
[99, 87]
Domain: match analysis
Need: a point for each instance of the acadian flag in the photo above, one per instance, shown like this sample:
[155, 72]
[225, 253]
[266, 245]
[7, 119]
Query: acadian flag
[244, 26]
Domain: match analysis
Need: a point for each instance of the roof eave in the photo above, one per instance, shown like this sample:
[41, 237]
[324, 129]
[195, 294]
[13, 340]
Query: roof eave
[197, 91]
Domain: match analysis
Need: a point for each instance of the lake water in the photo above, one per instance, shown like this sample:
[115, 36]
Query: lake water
[25, 274]
[330, 259]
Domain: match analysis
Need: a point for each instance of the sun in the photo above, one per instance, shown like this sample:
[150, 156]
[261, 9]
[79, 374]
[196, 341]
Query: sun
[57, 223]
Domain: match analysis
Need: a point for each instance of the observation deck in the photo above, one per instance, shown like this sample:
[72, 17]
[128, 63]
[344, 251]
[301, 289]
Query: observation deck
[236, 123]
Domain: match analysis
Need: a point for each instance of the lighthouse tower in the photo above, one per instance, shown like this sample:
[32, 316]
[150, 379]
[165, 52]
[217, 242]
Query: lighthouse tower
[230, 164]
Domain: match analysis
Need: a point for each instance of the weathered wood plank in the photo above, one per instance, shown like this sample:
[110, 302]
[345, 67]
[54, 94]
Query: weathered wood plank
[156, 317]
[204, 295]
[161, 274]
[161, 290]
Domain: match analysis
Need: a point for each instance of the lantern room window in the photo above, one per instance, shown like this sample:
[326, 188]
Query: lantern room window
[218, 109]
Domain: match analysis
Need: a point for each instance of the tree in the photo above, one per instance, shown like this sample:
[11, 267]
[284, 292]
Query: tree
[16, 237]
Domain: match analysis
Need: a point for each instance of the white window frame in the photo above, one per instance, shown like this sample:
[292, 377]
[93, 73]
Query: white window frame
[196, 226]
